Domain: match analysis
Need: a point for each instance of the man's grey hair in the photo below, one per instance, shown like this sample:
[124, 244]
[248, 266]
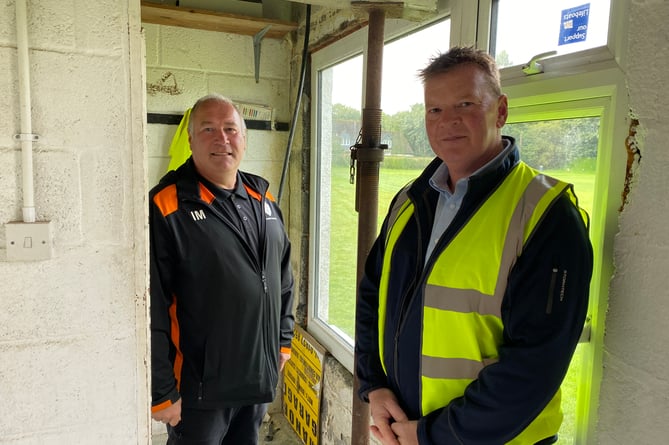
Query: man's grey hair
[214, 97]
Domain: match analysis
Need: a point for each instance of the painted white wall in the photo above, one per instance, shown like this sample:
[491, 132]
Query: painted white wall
[73, 328]
[203, 62]
[634, 400]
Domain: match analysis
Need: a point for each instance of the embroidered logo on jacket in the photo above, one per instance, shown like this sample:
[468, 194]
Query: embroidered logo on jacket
[198, 215]
[268, 212]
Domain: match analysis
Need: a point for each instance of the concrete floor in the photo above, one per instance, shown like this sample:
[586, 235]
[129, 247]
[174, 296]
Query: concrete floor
[275, 430]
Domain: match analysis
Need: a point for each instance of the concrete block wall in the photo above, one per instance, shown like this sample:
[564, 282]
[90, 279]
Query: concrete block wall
[202, 62]
[73, 328]
[634, 401]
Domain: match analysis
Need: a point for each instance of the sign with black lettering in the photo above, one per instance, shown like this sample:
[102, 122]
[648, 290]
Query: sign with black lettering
[574, 24]
[302, 380]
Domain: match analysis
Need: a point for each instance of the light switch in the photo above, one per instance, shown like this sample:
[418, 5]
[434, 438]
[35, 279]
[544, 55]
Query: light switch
[29, 241]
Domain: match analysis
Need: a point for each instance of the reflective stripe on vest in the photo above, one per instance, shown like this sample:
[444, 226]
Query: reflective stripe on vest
[463, 298]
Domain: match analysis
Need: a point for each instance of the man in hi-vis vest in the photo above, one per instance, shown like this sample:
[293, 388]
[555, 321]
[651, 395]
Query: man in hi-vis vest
[476, 291]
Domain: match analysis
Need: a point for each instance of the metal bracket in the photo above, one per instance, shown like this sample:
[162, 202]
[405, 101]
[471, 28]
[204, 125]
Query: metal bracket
[533, 66]
[26, 137]
[256, 49]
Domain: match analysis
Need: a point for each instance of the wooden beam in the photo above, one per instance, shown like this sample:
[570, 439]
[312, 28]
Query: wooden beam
[214, 21]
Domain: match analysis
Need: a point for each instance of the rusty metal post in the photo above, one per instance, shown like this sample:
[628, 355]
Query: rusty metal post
[369, 156]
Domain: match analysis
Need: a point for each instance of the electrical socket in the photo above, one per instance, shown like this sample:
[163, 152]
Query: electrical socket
[29, 241]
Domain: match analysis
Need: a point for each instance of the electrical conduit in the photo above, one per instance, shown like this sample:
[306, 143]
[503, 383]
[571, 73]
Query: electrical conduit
[25, 136]
[300, 89]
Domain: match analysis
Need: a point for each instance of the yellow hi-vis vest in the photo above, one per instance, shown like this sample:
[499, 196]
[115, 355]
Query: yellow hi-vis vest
[464, 296]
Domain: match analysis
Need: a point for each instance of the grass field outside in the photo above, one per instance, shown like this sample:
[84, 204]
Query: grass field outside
[343, 234]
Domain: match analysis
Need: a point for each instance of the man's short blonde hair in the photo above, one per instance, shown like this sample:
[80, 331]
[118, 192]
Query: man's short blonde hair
[460, 55]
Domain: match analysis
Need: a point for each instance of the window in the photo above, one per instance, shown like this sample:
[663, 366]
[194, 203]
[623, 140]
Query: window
[579, 87]
[570, 135]
[338, 76]
[566, 148]
[583, 125]
[523, 29]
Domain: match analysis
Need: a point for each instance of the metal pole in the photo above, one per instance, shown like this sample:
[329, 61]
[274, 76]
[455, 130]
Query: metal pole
[369, 156]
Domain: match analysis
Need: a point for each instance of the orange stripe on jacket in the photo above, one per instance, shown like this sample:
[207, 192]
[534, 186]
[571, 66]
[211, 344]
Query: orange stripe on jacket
[206, 194]
[174, 328]
[166, 200]
[161, 406]
[256, 195]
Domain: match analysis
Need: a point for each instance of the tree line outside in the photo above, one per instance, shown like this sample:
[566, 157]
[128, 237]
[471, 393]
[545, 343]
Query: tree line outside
[566, 144]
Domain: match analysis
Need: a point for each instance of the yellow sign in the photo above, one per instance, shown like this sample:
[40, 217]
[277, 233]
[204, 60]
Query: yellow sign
[302, 380]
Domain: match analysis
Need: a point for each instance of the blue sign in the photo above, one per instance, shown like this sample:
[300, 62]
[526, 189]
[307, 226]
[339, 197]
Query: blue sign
[574, 24]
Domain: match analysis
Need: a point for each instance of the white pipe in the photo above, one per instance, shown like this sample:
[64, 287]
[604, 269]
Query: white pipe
[26, 136]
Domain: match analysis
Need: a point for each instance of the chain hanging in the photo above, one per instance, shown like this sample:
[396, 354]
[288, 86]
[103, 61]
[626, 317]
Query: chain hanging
[354, 156]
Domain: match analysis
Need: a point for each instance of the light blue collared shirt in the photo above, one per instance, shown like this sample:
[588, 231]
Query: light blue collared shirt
[449, 203]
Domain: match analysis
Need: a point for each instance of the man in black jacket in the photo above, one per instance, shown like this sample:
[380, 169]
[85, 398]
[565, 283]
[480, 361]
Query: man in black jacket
[475, 293]
[221, 288]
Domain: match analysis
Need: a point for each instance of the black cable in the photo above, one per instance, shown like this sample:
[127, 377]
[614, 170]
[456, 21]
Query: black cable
[291, 134]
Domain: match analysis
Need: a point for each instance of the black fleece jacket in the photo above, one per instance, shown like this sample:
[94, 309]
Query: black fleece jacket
[220, 311]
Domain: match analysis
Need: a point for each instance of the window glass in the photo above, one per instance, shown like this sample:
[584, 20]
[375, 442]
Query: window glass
[523, 29]
[566, 149]
[563, 148]
[339, 122]
[339, 125]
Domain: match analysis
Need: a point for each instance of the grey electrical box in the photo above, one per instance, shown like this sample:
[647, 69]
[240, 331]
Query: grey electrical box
[29, 241]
